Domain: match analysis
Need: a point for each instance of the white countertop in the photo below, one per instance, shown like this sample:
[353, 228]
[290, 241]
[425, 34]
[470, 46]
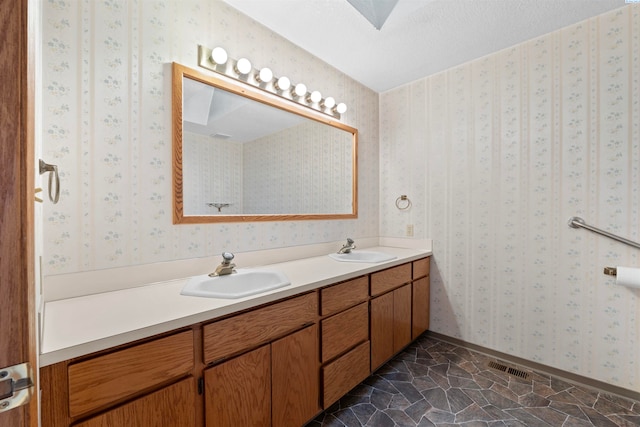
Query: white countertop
[78, 326]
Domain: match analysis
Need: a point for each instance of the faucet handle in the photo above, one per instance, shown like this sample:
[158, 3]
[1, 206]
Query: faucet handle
[227, 257]
[350, 241]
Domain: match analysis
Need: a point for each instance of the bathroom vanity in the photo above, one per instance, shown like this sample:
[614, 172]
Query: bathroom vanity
[277, 360]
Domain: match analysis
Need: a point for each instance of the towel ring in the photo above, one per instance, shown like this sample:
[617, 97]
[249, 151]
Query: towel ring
[53, 177]
[403, 206]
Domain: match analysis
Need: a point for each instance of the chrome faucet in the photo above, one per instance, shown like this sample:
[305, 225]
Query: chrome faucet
[226, 266]
[345, 249]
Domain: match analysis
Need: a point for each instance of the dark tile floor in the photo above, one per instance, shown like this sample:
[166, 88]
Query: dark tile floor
[434, 383]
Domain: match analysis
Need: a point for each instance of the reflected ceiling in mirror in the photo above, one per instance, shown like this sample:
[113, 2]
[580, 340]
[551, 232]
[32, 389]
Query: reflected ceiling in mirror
[243, 154]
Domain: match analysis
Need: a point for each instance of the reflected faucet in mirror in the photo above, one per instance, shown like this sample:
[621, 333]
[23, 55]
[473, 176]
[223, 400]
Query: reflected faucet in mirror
[219, 206]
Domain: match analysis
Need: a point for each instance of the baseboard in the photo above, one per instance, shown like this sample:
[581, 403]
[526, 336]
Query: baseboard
[559, 373]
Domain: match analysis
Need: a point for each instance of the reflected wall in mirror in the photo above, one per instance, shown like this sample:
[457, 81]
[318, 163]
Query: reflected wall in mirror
[243, 154]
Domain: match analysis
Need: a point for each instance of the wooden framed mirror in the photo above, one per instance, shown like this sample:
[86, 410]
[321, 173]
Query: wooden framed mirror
[243, 154]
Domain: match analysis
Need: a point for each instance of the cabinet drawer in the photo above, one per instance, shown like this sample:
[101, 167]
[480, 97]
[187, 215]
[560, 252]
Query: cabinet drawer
[421, 268]
[343, 374]
[170, 406]
[344, 295]
[97, 382]
[344, 330]
[391, 278]
[245, 331]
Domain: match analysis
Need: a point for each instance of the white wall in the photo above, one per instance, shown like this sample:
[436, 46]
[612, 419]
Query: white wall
[496, 155]
[107, 124]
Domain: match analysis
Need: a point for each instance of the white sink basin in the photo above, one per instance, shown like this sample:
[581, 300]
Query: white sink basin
[243, 283]
[363, 256]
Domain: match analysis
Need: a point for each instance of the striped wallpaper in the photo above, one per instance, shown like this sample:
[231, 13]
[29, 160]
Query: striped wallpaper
[496, 155]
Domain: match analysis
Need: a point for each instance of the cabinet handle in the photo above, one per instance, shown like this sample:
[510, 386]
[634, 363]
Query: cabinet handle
[53, 176]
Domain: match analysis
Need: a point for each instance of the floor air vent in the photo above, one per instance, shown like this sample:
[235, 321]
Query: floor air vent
[511, 371]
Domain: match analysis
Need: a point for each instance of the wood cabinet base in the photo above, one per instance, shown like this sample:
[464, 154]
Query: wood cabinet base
[278, 364]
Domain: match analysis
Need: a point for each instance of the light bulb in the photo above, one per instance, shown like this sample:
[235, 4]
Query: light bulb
[243, 66]
[315, 97]
[219, 56]
[283, 83]
[329, 102]
[300, 89]
[265, 75]
[341, 108]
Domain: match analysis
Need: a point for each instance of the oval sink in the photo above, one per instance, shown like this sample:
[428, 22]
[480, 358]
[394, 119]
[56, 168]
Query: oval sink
[363, 256]
[237, 285]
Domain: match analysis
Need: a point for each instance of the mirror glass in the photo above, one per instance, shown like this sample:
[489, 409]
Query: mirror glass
[244, 154]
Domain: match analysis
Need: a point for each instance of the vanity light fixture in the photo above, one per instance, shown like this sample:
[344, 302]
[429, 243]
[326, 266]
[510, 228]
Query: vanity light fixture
[283, 83]
[329, 102]
[265, 75]
[219, 56]
[300, 89]
[314, 97]
[242, 69]
[243, 66]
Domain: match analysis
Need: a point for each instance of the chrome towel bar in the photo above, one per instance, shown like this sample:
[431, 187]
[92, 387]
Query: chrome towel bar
[577, 222]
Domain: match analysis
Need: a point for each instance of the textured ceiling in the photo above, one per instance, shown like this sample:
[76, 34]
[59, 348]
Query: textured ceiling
[420, 37]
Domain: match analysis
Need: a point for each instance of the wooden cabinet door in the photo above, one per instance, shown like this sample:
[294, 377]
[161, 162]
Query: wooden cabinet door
[390, 324]
[168, 407]
[238, 392]
[420, 307]
[401, 318]
[381, 329]
[295, 378]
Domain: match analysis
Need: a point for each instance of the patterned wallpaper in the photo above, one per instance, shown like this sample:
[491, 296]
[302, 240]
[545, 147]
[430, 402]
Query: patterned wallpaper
[496, 155]
[106, 120]
[212, 173]
[269, 175]
[314, 177]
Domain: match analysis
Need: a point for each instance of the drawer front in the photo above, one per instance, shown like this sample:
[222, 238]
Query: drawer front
[245, 331]
[391, 278]
[344, 330]
[170, 406]
[344, 295]
[343, 374]
[97, 382]
[421, 268]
